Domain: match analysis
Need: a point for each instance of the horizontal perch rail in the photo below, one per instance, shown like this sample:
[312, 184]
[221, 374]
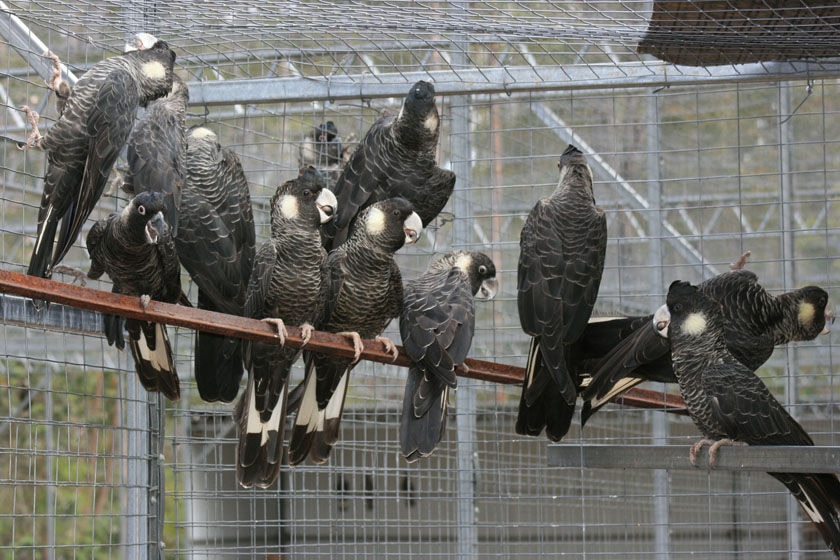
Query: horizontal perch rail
[252, 329]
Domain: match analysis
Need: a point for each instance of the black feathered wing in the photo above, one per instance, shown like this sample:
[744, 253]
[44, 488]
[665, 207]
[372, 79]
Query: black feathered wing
[642, 355]
[562, 252]
[108, 126]
[211, 253]
[358, 181]
[156, 158]
[367, 310]
[261, 411]
[153, 359]
[324, 384]
[437, 325]
[746, 411]
[216, 244]
[559, 275]
[112, 325]
[645, 356]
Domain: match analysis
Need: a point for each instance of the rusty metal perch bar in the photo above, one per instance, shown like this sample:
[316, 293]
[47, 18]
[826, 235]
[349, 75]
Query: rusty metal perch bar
[252, 329]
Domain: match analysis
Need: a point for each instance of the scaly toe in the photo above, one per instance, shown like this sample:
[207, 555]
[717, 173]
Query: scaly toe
[282, 333]
[306, 331]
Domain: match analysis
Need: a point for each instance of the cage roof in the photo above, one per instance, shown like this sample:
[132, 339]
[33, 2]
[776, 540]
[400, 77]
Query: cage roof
[704, 33]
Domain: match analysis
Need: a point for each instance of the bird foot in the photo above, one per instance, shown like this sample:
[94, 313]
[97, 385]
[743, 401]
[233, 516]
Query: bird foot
[742, 260]
[145, 300]
[282, 333]
[78, 275]
[695, 449]
[713, 450]
[357, 344]
[714, 446]
[389, 345]
[35, 137]
[115, 183]
[54, 83]
[306, 331]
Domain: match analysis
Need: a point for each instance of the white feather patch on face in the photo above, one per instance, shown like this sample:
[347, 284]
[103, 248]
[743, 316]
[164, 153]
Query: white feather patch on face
[126, 212]
[463, 262]
[202, 132]
[432, 122]
[289, 206]
[375, 223]
[695, 324]
[154, 70]
[806, 313]
[564, 170]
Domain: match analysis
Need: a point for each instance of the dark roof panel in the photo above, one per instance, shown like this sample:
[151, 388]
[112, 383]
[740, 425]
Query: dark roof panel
[708, 33]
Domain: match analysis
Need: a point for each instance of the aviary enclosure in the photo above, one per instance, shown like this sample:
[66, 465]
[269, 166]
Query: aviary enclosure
[712, 129]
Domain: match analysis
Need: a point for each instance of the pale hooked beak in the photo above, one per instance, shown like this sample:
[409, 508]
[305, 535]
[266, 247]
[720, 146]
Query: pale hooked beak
[413, 227]
[661, 320]
[829, 316]
[488, 289]
[156, 227]
[327, 204]
[142, 41]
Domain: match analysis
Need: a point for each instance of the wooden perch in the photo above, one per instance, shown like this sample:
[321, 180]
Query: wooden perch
[252, 329]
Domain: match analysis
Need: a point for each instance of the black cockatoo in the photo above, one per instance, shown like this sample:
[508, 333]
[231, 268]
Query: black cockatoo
[362, 293]
[437, 325]
[157, 150]
[84, 142]
[730, 404]
[216, 244]
[562, 249]
[284, 288]
[395, 158]
[135, 249]
[321, 148]
[755, 323]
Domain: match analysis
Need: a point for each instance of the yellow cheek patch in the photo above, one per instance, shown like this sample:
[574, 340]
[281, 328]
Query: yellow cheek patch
[154, 70]
[695, 324]
[806, 313]
[289, 206]
[375, 223]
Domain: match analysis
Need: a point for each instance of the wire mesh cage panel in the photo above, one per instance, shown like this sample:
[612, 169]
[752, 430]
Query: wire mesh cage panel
[694, 165]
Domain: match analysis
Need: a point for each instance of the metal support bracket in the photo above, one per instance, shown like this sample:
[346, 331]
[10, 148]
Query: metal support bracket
[746, 458]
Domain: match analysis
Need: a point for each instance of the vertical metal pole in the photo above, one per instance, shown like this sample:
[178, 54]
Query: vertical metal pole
[791, 395]
[49, 490]
[465, 396]
[659, 421]
[137, 448]
[157, 423]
